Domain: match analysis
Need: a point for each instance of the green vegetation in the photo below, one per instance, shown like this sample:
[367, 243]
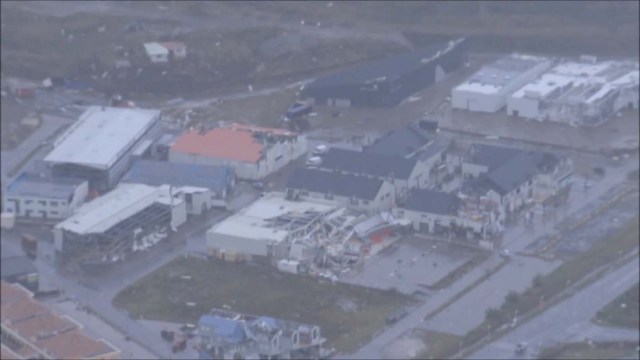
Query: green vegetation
[608, 350]
[348, 315]
[461, 271]
[623, 311]
[438, 343]
[634, 176]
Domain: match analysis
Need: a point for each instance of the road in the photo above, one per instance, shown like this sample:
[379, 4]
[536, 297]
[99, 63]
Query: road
[568, 320]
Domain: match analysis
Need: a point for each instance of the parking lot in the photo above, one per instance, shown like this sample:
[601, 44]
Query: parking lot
[411, 265]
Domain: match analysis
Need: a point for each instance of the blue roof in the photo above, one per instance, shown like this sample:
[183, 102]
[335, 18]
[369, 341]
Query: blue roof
[156, 173]
[33, 185]
[231, 330]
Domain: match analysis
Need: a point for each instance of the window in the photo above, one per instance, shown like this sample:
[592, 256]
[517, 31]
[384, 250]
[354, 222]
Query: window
[278, 157]
[304, 193]
[530, 182]
[366, 202]
[42, 202]
[53, 203]
[354, 201]
[328, 196]
[518, 191]
[28, 202]
[400, 212]
[53, 213]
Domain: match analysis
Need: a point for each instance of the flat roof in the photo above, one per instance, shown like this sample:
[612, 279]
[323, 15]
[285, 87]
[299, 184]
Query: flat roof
[101, 214]
[493, 77]
[546, 85]
[256, 220]
[101, 136]
[32, 185]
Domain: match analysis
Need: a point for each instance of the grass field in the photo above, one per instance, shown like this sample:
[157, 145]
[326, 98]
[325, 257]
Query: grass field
[597, 351]
[348, 315]
[438, 343]
[623, 311]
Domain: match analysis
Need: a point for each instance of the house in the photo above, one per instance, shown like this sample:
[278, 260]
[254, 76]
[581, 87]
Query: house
[405, 143]
[226, 335]
[252, 152]
[47, 198]
[403, 174]
[163, 52]
[361, 193]
[442, 214]
[216, 181]
[387, 82]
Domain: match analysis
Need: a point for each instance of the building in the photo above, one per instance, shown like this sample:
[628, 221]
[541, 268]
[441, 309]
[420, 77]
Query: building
[488, 89]
[228, 335]
[217, 181]
[18, 269]
[403, 174]
[31, 331]
[163, 52]
[98, 146]
[387, 82]
[442, 214]
[360, 193]
[406, 142]
[34, 196]
[131, 217]
[252, 152]
[505, 180]
[578, 93]
[266, 228]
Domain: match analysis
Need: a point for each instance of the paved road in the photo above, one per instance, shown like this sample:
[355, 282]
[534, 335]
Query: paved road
[566, 320]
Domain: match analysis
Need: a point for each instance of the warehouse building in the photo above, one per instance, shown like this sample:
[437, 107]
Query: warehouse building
[355, 192]
[266, 228]
[578, 93]
[214, 181]
[387, 82]
[36, 197]
[252, 152]
[128, 218]
[488, 89]
[31, 331]
[403, 174]
[98, 146]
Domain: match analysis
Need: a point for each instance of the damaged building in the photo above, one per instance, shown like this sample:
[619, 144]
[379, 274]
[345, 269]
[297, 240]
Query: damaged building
[252, 152]
[129, 218]
[230, 335]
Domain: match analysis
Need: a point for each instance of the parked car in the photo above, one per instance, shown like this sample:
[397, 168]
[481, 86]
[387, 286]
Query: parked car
[521, 348]
[396, 315]
[298, 109]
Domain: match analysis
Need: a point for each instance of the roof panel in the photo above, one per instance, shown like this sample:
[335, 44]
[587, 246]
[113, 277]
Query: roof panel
[365, 163]
[326, 182]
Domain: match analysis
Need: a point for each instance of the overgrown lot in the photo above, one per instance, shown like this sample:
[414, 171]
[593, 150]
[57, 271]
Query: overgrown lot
[348, 315]
[623, 311]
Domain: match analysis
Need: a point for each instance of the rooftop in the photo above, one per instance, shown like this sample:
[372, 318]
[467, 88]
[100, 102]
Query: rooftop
[32, 185]
[156, 173]
[101, 136]
[272, 217]
[491, 78]
[433, 202]
[403, 142]
[366, 163]
[101, 214]
[326, 182]
[386, 69]
[491, 156]
[236, 142]
[16, 265]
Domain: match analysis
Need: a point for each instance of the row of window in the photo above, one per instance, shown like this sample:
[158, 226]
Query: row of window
[44, 202]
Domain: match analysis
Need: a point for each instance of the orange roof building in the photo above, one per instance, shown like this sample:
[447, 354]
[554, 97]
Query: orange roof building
[253, 152]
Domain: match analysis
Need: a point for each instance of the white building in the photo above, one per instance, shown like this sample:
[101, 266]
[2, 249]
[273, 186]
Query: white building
[160, 52]
[487, 90]
[355, 192]
[32, 196]
[108, 228]
[252, 152]
[580, 93]
[267, 227]
[98, 146]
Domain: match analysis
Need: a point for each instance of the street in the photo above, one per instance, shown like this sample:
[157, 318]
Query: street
[568, 320]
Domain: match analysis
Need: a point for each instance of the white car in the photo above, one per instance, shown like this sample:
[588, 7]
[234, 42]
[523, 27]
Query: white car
[320, 149]
[314, 161]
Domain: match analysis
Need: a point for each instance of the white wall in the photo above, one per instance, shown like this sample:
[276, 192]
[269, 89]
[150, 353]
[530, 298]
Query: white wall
[525, 107]
[55, 208]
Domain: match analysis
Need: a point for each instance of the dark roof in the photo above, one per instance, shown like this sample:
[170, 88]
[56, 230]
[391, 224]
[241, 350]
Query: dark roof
[514, 173]
[490, 156]
[432, 149]
[29, 184]
[402, 142]
[433, 202]
[16, 265]
[156, 173]
[389, 68]
[326, 182]
[366, 163]
[228, 329]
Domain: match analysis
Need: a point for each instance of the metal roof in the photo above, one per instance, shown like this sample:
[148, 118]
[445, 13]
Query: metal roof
[101, 136]
[156, 173]
[326, 182]
[32, 185]
[433, 202]
[366, 163]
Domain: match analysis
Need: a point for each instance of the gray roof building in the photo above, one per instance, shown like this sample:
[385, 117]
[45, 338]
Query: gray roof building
[403, 143]
[433, 202]
[11, 267]
[490, 156]
[367, 163]
[33, 185]
[339, 184]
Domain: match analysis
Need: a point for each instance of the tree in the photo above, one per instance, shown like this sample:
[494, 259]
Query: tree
[512, 297]
[493, 315]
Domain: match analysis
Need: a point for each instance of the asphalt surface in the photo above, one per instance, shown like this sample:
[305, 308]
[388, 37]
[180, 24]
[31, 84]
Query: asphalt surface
[567, 320]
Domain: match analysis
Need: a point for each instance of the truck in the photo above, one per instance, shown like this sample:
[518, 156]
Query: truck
[8, 220]
[30, 246]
